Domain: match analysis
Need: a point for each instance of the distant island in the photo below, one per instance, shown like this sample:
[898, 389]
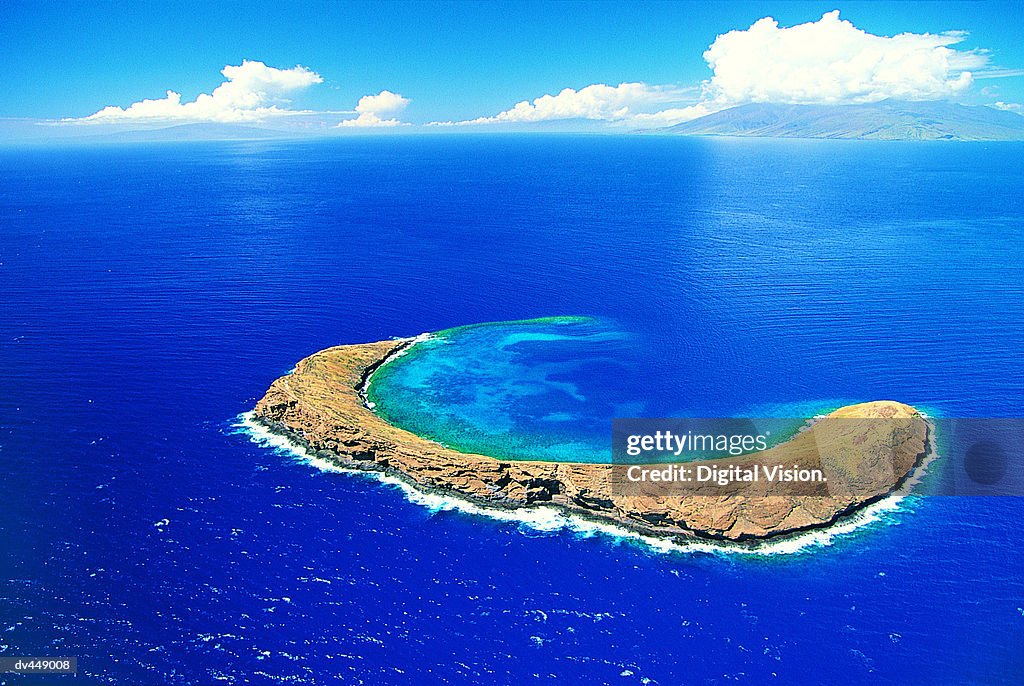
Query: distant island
[886, 120]
[322, 405]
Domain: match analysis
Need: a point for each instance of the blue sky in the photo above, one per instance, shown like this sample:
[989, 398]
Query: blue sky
[451, 62]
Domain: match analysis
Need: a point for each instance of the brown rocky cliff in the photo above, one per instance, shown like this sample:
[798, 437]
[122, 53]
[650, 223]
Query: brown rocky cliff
[320, 404]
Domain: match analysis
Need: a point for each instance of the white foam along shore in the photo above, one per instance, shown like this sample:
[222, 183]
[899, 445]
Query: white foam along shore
[364, 388]
[552, 519]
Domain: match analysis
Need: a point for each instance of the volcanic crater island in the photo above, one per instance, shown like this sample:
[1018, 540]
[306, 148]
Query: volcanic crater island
[868, 451]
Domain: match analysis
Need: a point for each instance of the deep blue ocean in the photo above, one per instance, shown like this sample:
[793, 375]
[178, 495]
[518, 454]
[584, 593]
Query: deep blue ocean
[149, 294]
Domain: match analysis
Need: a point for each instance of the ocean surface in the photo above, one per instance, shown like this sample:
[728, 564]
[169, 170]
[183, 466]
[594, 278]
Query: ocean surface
[150, 293]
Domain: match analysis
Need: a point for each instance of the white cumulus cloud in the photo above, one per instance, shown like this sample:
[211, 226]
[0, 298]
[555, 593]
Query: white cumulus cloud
[673, 115]
[596, 102]
[1009, 107]
[373, 110]
[252, 91]
[830, 61]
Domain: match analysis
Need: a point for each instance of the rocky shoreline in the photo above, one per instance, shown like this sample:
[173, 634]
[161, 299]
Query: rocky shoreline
[322, 405]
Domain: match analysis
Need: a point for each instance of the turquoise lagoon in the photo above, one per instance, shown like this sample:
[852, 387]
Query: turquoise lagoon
[537, 389]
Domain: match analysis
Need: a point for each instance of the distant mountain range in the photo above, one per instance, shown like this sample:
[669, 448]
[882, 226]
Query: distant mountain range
[886, 120]
[191, 132]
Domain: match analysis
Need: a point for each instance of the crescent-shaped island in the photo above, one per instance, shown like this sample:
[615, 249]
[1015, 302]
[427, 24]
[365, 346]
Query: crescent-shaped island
[322, 405]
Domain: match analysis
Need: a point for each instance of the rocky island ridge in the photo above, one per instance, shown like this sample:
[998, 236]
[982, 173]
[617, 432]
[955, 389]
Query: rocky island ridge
[869, 450]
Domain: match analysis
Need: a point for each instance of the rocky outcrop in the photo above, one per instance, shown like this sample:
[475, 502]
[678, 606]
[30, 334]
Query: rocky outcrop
[321, 405]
